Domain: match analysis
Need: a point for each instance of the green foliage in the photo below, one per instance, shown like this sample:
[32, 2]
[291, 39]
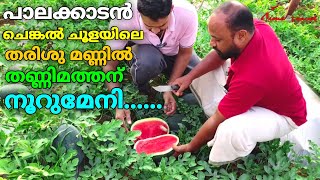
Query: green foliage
[26, 150]
[300, 39]
[308, 163]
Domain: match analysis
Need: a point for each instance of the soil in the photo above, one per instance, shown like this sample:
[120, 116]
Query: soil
[6, 21]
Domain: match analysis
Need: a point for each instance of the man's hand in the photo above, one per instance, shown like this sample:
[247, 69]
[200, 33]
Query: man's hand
[204, 135]
[170, 104]
[183, 82]
[180, 149]
[124, 115]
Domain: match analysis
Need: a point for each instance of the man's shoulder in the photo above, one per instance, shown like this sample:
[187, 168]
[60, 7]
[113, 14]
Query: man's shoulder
[133, 4]
[128, 24]
[134, 8]
[257, 21]
[263, 27]
[184, 6]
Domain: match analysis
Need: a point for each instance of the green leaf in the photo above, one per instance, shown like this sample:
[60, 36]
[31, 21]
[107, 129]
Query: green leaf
[267, 169]
[245, 177]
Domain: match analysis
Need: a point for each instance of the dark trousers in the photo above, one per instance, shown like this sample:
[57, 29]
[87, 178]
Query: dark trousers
[149, 62]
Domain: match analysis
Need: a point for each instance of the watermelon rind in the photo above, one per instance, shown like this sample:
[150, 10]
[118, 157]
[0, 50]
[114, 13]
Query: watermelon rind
[13, 89]
[149, 120]
[68, 136]
[175, 120]
[190, 99]
[162, 152]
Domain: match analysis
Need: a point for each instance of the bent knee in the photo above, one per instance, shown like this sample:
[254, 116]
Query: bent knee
[237, 136]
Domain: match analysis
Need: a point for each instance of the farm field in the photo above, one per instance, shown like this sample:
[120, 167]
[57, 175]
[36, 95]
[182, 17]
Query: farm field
[27, 136]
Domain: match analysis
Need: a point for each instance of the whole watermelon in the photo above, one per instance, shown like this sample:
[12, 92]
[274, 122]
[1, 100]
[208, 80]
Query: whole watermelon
[68, 136]
[13, 89]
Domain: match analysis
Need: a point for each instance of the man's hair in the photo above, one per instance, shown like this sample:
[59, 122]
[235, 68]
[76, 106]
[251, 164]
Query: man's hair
[238, 16]
[155, 9]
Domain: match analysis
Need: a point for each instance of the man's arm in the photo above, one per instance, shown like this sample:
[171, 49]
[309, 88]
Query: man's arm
[181, 63]
[209, 63]
[121, 114]
[115, 45]
[207, 131]
[204, 135]
[239, 99]
[292, 7]
[183, 59]
[111, 66]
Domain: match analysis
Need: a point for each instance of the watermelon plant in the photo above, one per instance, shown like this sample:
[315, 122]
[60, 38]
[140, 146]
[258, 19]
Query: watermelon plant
[91, 144]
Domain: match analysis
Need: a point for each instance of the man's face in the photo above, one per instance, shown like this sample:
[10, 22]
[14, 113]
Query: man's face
[222, 39]
[155, 26]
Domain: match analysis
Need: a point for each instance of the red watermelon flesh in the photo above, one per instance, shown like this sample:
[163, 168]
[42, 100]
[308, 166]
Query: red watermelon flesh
[150, 127]
[157, 145]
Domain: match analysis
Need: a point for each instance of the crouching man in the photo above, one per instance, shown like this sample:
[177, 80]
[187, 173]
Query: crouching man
[261, 100]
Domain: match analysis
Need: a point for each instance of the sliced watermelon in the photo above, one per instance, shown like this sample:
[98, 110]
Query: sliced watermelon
[150, 127]
[155, 146]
